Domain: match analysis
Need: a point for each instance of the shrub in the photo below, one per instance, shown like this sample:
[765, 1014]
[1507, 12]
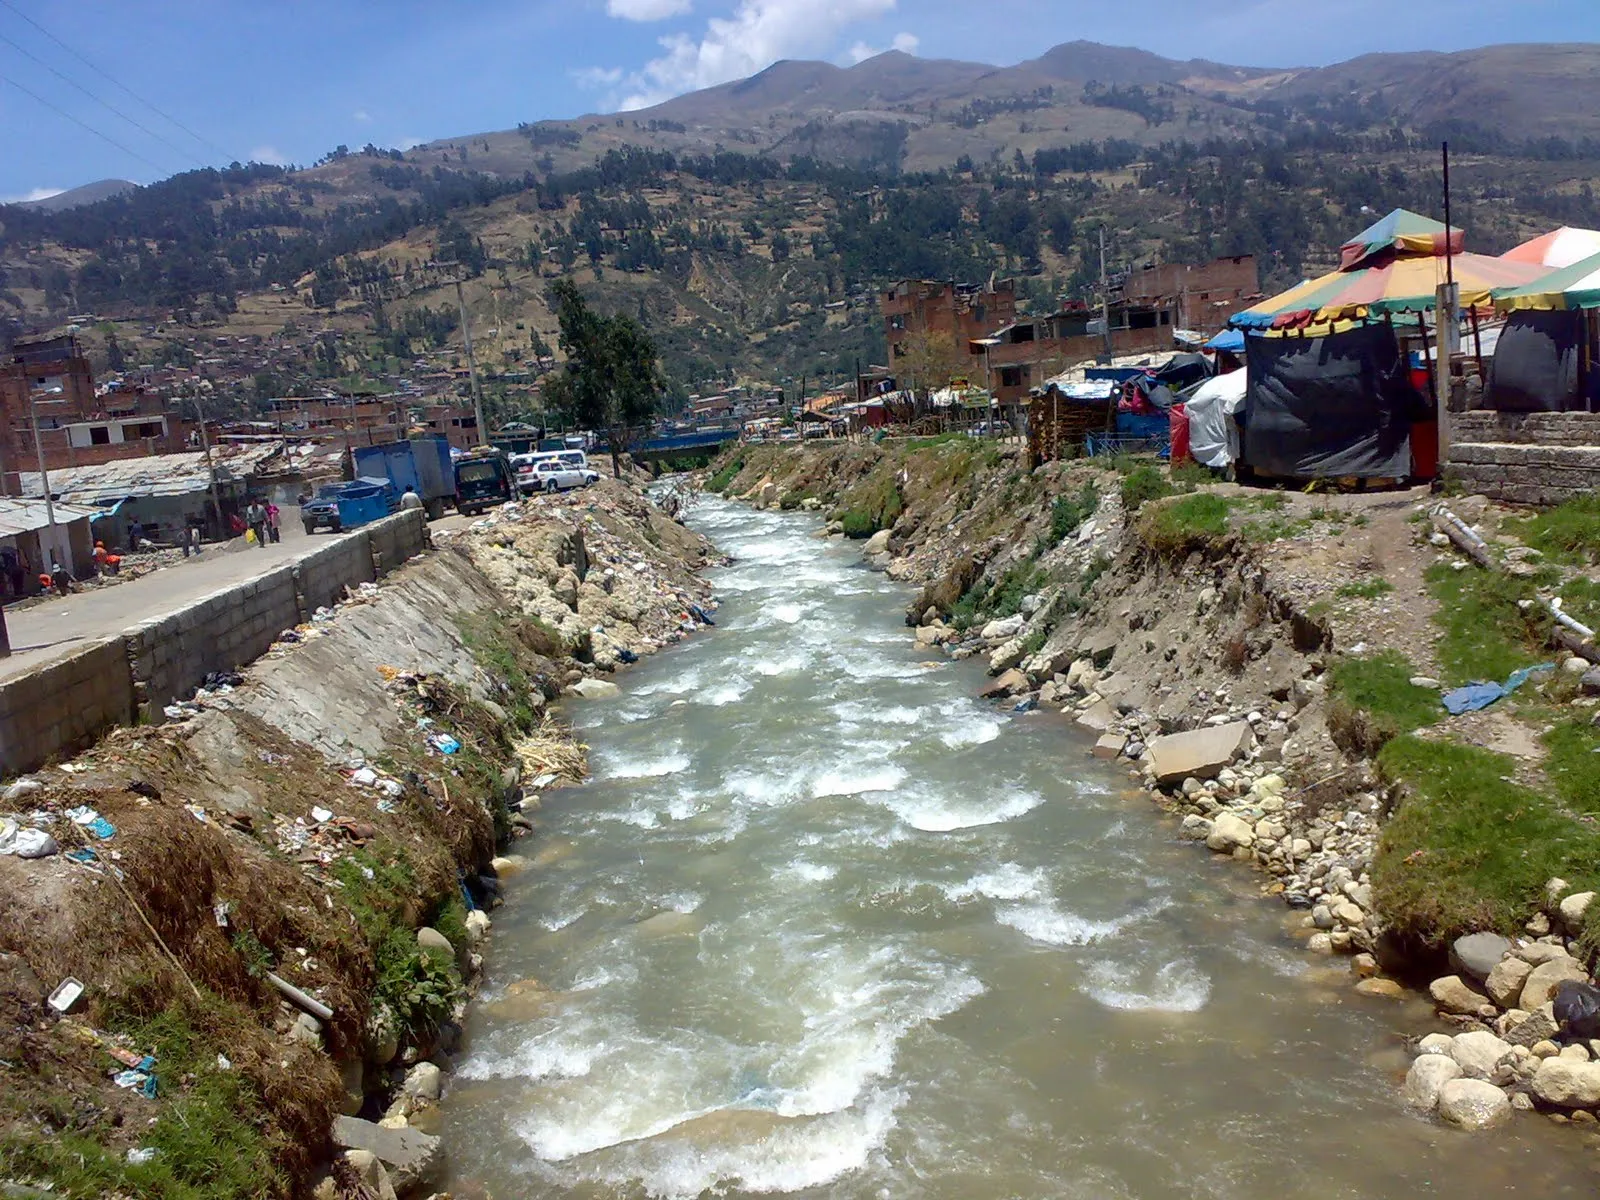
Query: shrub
[1143, 484]
[1068, 513]
[1366, 589]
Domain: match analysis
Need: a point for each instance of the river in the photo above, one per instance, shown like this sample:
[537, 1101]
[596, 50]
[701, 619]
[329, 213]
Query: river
[824, 924]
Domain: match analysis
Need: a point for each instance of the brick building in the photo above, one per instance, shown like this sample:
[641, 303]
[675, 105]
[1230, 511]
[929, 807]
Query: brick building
[49, 380]
[363, 420]
[957, 312]
[1184, 296]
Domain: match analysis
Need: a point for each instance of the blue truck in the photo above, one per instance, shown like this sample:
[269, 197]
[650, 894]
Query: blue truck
[421, 465]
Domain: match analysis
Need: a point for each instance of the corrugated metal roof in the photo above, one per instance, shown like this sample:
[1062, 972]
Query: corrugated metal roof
[151, 475]
[24, 516]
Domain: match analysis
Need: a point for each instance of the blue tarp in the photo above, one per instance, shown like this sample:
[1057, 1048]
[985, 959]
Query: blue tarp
[1481, 694]
[1230, 340]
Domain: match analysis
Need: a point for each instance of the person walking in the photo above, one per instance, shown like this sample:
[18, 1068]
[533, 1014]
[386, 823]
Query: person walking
[256, 517]
[272, 522]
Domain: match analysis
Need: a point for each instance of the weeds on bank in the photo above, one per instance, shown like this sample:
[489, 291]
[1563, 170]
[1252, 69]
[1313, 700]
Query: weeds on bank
[1374, 701]
[1573, 765]
[1067, 515]
[1366, 589]
[1486, 634]
[1143, 484]
[718, 483]
[872, 504]
[1467, 848]
[499, 645]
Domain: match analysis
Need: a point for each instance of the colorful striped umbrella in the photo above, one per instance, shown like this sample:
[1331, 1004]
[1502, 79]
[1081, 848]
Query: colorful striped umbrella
[1558, 248]
[1394, 266]
[1574, 286]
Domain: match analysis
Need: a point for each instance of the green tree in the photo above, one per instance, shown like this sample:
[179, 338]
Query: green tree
[611, 379]
[114, 357]
[781, 247]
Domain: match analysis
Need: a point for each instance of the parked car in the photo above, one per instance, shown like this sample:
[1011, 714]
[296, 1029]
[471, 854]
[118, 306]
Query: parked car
[552, 475]
[483, 478]
[990, 429]
[323, 511]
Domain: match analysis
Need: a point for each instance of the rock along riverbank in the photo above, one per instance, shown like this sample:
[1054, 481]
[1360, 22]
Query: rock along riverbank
[274, 907]
[1199, 641]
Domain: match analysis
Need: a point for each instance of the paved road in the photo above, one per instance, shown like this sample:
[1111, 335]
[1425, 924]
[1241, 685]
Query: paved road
[45, 631]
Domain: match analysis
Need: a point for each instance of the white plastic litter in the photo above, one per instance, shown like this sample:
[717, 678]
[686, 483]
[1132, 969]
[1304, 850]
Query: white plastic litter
[319, 815]
[35, 843]
[366, 777]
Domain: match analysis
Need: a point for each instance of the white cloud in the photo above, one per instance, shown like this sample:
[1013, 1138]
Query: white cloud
[906, 43]
[597, 77]
[270, 155]
[409, 143]
[758, 34]
[38, 193]
[362, 115]
[646, 10]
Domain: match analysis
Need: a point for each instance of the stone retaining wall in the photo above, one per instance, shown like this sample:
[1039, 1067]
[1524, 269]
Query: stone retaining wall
[66, 704]
[1526, 458]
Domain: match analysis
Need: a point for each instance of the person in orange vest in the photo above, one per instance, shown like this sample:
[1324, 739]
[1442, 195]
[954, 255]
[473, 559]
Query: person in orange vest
[100, 556]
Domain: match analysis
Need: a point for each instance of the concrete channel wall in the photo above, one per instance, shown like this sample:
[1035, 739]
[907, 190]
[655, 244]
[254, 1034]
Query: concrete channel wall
[68, 703]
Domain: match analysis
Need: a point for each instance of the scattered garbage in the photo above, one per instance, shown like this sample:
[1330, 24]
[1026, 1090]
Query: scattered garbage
[1481, 694]
[34, 843]
[444, 743]
[321, 815]
[139, 1155]
[67, 993]
[22, 789]
[364, 776]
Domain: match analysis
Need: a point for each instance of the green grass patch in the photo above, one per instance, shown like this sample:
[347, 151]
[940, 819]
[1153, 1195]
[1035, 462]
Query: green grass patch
[1191, 523]
[1486, 635]
[501, 646]
[1580, 600]
[1568, 532]
[1467, 848]
[792, 500]
[1375, 701]
[1366, 589]
[1274, 528]
[1573, 765]
[938, 439]
[718, 483]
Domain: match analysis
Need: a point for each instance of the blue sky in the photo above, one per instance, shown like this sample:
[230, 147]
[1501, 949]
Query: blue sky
[287, 80]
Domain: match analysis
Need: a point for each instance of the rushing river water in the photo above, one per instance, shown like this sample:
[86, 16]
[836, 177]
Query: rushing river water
[824, 924]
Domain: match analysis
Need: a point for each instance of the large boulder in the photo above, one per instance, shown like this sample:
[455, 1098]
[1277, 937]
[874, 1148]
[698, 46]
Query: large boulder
[413, 1158]
[1478, 1052]
[1010, 683]
[1427, 1075]
[1229, 832]
[1504, 984]
[1543, 980]
[1099, 717]
[431, 941]
[1202, 753]
[1475, 955]
[1098, 647]
[1451, 995]
[1003, 629]
[1573, 908]
[1006, 655]
[595, 689]
[878, 543]
[1473, 1104]
[1568, 1083]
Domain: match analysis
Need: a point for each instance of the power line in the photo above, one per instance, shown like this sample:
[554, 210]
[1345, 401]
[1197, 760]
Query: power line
[105, 137]
[205, 141]
[72, 83]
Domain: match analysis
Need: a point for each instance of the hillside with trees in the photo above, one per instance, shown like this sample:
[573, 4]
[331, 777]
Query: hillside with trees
[742, 263]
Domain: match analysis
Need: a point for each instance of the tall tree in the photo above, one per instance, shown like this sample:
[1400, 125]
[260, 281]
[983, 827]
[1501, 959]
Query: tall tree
[611, 379]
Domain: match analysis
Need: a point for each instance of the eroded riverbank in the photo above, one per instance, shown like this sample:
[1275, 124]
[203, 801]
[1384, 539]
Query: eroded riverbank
[824, 924]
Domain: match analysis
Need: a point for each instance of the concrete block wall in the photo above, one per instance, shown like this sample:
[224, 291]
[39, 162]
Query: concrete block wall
[170, 656]
[64, 706]
[1526, 458]
[322, 576]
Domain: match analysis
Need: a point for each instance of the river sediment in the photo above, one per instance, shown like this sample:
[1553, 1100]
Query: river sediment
[824, 923]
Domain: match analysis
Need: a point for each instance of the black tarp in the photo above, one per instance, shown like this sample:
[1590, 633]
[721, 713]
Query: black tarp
[1324, 406]
[1535, 363]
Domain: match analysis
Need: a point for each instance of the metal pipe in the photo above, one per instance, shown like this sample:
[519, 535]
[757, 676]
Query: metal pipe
[313, 1006]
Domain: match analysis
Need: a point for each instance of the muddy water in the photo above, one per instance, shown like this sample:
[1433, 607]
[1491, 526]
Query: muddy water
[826, 925]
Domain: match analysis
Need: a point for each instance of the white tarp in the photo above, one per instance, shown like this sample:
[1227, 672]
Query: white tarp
[1213, 435]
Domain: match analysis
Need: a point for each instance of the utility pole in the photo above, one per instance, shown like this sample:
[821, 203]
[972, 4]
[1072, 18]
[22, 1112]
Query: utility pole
[1105, 293]
[1447, 302]
[472, 367]
[44, 483]
[211, 471]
